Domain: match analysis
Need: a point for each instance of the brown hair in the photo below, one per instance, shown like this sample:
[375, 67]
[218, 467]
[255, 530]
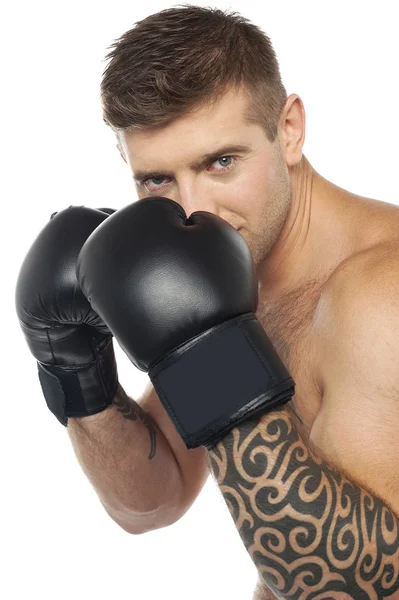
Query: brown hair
[183, 57]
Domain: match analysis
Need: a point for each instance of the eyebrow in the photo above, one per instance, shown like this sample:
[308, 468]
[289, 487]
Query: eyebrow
[142, 175]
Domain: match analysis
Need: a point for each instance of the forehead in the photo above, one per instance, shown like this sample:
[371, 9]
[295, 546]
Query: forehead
[206, 126]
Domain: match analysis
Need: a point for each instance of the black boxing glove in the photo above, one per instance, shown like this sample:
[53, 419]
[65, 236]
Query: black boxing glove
[180, 296]
[73, 346]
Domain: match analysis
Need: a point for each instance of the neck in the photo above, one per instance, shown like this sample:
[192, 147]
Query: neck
[315, 237]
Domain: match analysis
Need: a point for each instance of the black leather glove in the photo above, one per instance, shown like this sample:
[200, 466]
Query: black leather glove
[73, 346]
[180, 296]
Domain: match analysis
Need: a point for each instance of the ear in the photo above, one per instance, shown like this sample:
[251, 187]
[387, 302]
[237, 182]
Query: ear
[292, 130]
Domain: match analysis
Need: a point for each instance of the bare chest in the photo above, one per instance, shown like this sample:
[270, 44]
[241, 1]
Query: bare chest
[289, 327]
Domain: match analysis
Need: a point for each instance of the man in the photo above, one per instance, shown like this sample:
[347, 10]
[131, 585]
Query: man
[202, 118]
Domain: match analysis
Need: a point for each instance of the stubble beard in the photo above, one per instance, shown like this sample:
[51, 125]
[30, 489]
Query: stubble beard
[273, 217]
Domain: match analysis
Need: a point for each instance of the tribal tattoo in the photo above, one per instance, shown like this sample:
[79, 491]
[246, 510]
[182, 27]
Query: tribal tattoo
[311, 532]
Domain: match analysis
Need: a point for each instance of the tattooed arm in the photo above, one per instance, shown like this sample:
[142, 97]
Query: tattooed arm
[321, 520]
[310, 531]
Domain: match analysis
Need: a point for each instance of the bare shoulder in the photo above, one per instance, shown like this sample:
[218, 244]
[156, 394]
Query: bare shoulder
[376, 224]
[359, 281]
[377, 259]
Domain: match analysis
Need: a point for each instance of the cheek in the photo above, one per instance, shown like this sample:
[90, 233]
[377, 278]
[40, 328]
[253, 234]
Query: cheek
[251, 191]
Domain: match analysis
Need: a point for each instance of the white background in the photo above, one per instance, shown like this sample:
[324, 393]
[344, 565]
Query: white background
[56, 540]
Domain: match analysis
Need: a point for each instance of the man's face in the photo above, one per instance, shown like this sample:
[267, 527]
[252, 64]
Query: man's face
[212, 160]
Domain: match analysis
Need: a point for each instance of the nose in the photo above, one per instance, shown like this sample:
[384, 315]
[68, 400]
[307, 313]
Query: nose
[194, 199]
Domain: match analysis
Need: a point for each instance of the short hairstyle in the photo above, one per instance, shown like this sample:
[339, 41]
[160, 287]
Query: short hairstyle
[183, 57]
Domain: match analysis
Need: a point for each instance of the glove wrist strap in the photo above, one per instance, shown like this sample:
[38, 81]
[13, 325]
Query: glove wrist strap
[220, 378]
[80, 391]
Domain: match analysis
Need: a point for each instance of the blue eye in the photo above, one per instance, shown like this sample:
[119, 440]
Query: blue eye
[224, 158]
[156, 180]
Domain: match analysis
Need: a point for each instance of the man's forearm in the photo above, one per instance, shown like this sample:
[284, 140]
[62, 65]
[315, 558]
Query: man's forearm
[130, 464]
[308, 529]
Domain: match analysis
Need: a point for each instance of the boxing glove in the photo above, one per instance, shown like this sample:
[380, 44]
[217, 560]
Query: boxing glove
[76, 362]
[179, 294]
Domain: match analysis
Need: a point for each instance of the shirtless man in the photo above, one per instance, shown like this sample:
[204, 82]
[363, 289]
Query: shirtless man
[326, 263]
